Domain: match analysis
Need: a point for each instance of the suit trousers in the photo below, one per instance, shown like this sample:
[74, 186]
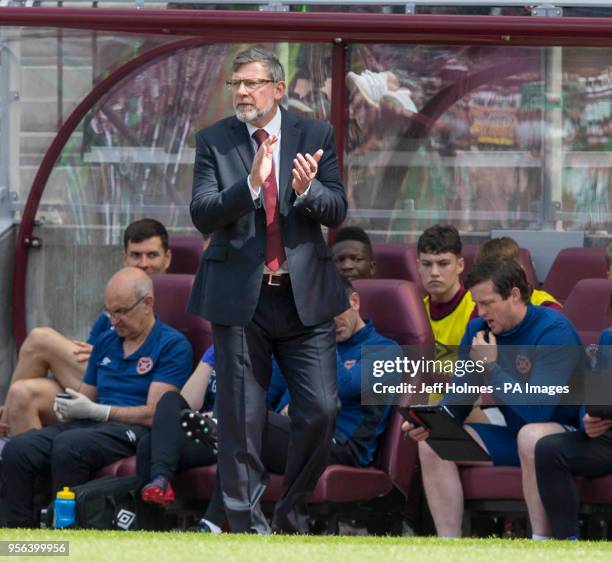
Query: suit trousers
[275, 450]
[307, 358]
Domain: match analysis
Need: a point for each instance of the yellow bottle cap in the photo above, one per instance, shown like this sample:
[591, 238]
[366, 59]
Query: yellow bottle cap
[65, 494]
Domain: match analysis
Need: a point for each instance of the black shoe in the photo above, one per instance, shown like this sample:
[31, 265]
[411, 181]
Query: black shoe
[202, 526]
[199, 428]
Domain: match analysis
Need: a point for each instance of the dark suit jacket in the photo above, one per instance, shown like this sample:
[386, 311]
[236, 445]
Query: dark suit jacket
[228, 282]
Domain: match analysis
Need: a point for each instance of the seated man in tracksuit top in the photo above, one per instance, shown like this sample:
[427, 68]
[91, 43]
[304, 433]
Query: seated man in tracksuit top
[545, 348]
[130, 368]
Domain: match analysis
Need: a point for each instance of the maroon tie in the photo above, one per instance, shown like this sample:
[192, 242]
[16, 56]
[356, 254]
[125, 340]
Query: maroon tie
[275, 252]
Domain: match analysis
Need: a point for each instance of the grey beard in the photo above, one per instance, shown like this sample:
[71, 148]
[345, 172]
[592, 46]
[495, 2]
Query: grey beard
[249, 116]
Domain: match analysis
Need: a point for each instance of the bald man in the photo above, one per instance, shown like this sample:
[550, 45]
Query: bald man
[130, 368]
[29, 402]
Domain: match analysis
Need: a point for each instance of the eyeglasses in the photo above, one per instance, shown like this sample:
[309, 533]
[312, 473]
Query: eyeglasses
[121, 312]
[249, 85]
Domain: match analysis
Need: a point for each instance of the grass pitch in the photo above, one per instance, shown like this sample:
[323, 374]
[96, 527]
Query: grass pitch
[109, 546]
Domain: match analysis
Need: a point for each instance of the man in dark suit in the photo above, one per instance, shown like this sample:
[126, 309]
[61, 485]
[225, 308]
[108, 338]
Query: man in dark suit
[268, 284]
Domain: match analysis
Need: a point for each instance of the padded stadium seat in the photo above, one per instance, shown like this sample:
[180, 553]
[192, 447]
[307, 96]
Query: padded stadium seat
[396, 261]
[469, 252]
[396, 308]
[596, 490]
[110, 469]
[186, 253]
[491, 490]
[195, 483]
[570, 266]
[398, 455]
[498, 489]
[587, 308]
[171, 297]
[491, 483]
[337, 483]
[127, 466]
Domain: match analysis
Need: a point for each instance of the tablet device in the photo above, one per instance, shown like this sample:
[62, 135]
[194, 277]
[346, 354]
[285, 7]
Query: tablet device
[447, 436]
[603, 412]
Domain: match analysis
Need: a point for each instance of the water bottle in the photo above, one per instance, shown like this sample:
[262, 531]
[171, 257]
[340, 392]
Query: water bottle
[64, 508]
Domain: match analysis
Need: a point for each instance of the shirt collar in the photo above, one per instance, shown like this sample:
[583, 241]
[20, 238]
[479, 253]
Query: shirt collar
[147, 345]
[272, 128]
[439, 310]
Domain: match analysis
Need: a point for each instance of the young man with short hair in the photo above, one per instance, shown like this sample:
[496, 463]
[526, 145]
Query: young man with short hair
[352, 251]
[448, 304]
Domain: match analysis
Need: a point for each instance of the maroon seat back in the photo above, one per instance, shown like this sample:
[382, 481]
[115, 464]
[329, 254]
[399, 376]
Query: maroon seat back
[397, 311]
[186, 253]
[171, 297]
[396, 308]
[397, 454]
[570, 266]
[469, 252]
[587, 308]
[396, 261]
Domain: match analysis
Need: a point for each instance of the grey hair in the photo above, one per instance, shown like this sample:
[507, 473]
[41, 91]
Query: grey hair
[267, 58]
[143, 287]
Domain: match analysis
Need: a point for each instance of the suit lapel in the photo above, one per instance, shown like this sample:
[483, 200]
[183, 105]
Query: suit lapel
[290, 136]
[240, 139]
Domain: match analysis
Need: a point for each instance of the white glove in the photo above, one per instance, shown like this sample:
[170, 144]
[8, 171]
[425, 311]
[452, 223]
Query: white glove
[79, 407]
[58, 414]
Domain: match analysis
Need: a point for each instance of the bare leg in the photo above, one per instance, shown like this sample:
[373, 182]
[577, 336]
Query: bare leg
[528, 436]
[31, 404]
[443, 489]
[45, 350]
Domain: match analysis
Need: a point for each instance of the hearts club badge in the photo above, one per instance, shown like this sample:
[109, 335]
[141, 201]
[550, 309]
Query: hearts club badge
[145, 364]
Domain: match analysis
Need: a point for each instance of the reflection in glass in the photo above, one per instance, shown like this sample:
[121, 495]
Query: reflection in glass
[480, 137]
[132, 154]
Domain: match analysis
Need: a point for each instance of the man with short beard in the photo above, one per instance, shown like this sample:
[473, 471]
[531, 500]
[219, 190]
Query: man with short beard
[265, 181]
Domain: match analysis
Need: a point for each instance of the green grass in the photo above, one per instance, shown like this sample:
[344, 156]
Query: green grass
[110, 546]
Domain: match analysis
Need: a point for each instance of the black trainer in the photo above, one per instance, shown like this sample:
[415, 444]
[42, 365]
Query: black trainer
[199, 427]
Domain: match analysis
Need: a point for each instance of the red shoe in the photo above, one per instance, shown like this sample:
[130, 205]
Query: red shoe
[158, 491]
